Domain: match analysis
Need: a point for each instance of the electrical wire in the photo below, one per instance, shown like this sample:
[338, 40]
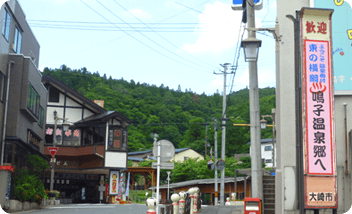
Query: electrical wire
[129, 34]
[161, 35]
[117, 38]
[153, 41]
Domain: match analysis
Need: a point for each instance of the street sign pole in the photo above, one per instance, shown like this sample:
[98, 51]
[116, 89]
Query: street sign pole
[158, 174]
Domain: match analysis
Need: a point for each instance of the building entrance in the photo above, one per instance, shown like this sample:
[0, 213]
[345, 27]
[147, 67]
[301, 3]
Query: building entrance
[75, 188]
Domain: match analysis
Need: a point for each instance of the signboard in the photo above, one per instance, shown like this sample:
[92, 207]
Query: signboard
[114, 181]
[220, 164]
[34, 141]
[53, 150]
[237, 4]
[341, 41]
[318, 109]
[167, 150]
[117, 138]
[163, 165]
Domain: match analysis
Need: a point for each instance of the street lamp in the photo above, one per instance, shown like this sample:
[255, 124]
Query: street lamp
[263, 125]
[251, 48]
[65, 126]
[168, 185]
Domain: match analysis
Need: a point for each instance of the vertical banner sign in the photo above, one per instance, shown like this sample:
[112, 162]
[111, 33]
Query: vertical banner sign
[128, 185]
[318, 109]
[119, 192]
[114, 180]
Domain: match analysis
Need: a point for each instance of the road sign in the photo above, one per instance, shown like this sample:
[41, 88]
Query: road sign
[53, 150]
[237, 4]
[220, 164]
[167, 150]
[163, 165]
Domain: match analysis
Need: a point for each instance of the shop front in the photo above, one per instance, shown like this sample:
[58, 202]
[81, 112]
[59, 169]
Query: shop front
[76, 187]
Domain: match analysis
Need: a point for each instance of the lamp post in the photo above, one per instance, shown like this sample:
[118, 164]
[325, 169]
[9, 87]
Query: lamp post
[168, 185]
[251, 49]
[263, 125]
[65, 126]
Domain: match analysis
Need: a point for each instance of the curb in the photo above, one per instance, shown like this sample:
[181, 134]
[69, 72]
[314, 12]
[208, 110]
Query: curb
[29, 211]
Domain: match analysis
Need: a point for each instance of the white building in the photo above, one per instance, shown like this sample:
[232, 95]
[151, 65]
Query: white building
[267, 152]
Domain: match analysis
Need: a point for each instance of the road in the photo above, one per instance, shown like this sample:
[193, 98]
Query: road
[92, 209]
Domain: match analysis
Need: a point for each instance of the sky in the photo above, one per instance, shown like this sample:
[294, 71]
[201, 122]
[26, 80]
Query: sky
[170, 42]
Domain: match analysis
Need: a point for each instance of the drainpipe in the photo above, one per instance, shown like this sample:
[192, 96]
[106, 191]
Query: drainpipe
[5, 114]
[346, 162]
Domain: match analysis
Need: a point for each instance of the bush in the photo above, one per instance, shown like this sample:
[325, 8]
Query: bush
[28, 186]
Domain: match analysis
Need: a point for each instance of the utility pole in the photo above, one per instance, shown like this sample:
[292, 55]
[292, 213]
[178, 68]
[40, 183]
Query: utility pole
[206, 139]
[216, 159]
[256, 161]
[222, 183]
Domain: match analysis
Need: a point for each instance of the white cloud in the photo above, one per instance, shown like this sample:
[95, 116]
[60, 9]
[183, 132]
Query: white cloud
[220, 27]
[2, 2]
[218, 82]
[140, 13]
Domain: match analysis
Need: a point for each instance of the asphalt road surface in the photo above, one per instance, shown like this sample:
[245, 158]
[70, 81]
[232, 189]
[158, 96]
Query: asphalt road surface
[93, 209]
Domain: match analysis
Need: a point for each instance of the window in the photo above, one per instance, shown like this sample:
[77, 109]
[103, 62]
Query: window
[267, 148]
[54, 95]
[17, 41]
[2, 86]
[41, 116]
[268, 161]
[33, 100]
[6, 25]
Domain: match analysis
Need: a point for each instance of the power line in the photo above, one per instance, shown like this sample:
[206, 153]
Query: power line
[117, 38]
[129, 34]
[153, 40]
[161, 35]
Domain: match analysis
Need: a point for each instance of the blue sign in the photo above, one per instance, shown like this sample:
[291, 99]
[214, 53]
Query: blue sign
[240, 1]
[341, 41]
[237, 4]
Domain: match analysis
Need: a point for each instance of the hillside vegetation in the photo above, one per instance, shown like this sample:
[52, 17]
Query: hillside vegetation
[175, 115]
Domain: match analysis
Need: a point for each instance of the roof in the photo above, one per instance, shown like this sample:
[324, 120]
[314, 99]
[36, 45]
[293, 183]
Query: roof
[267, 140]
[248, 172]
[135, 159]
[48, 79]
[140, 152]
[181, 150]
[105, 116]
[151, 151]
[198, 182]
[101, 114]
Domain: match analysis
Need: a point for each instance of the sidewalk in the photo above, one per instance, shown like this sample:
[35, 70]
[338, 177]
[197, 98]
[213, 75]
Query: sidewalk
[221, 210]
[32, 210]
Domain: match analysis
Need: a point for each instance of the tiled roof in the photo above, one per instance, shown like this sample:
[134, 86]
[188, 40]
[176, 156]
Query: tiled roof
[135, 159]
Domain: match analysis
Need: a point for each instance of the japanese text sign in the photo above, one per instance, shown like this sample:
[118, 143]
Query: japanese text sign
[317, 108]
[318, 112]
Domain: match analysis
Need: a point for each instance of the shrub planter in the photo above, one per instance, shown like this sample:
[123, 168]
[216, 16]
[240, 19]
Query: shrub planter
[15, 205]
[26, 205]
[34, 205]
[51, 202]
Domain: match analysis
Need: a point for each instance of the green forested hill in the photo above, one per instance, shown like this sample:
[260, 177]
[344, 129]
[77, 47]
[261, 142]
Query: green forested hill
[175, 115]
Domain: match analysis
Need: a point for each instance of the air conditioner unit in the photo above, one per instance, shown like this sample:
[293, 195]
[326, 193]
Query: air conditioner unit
[13, 46]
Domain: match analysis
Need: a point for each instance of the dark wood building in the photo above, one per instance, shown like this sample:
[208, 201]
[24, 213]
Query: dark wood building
[94, 145]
